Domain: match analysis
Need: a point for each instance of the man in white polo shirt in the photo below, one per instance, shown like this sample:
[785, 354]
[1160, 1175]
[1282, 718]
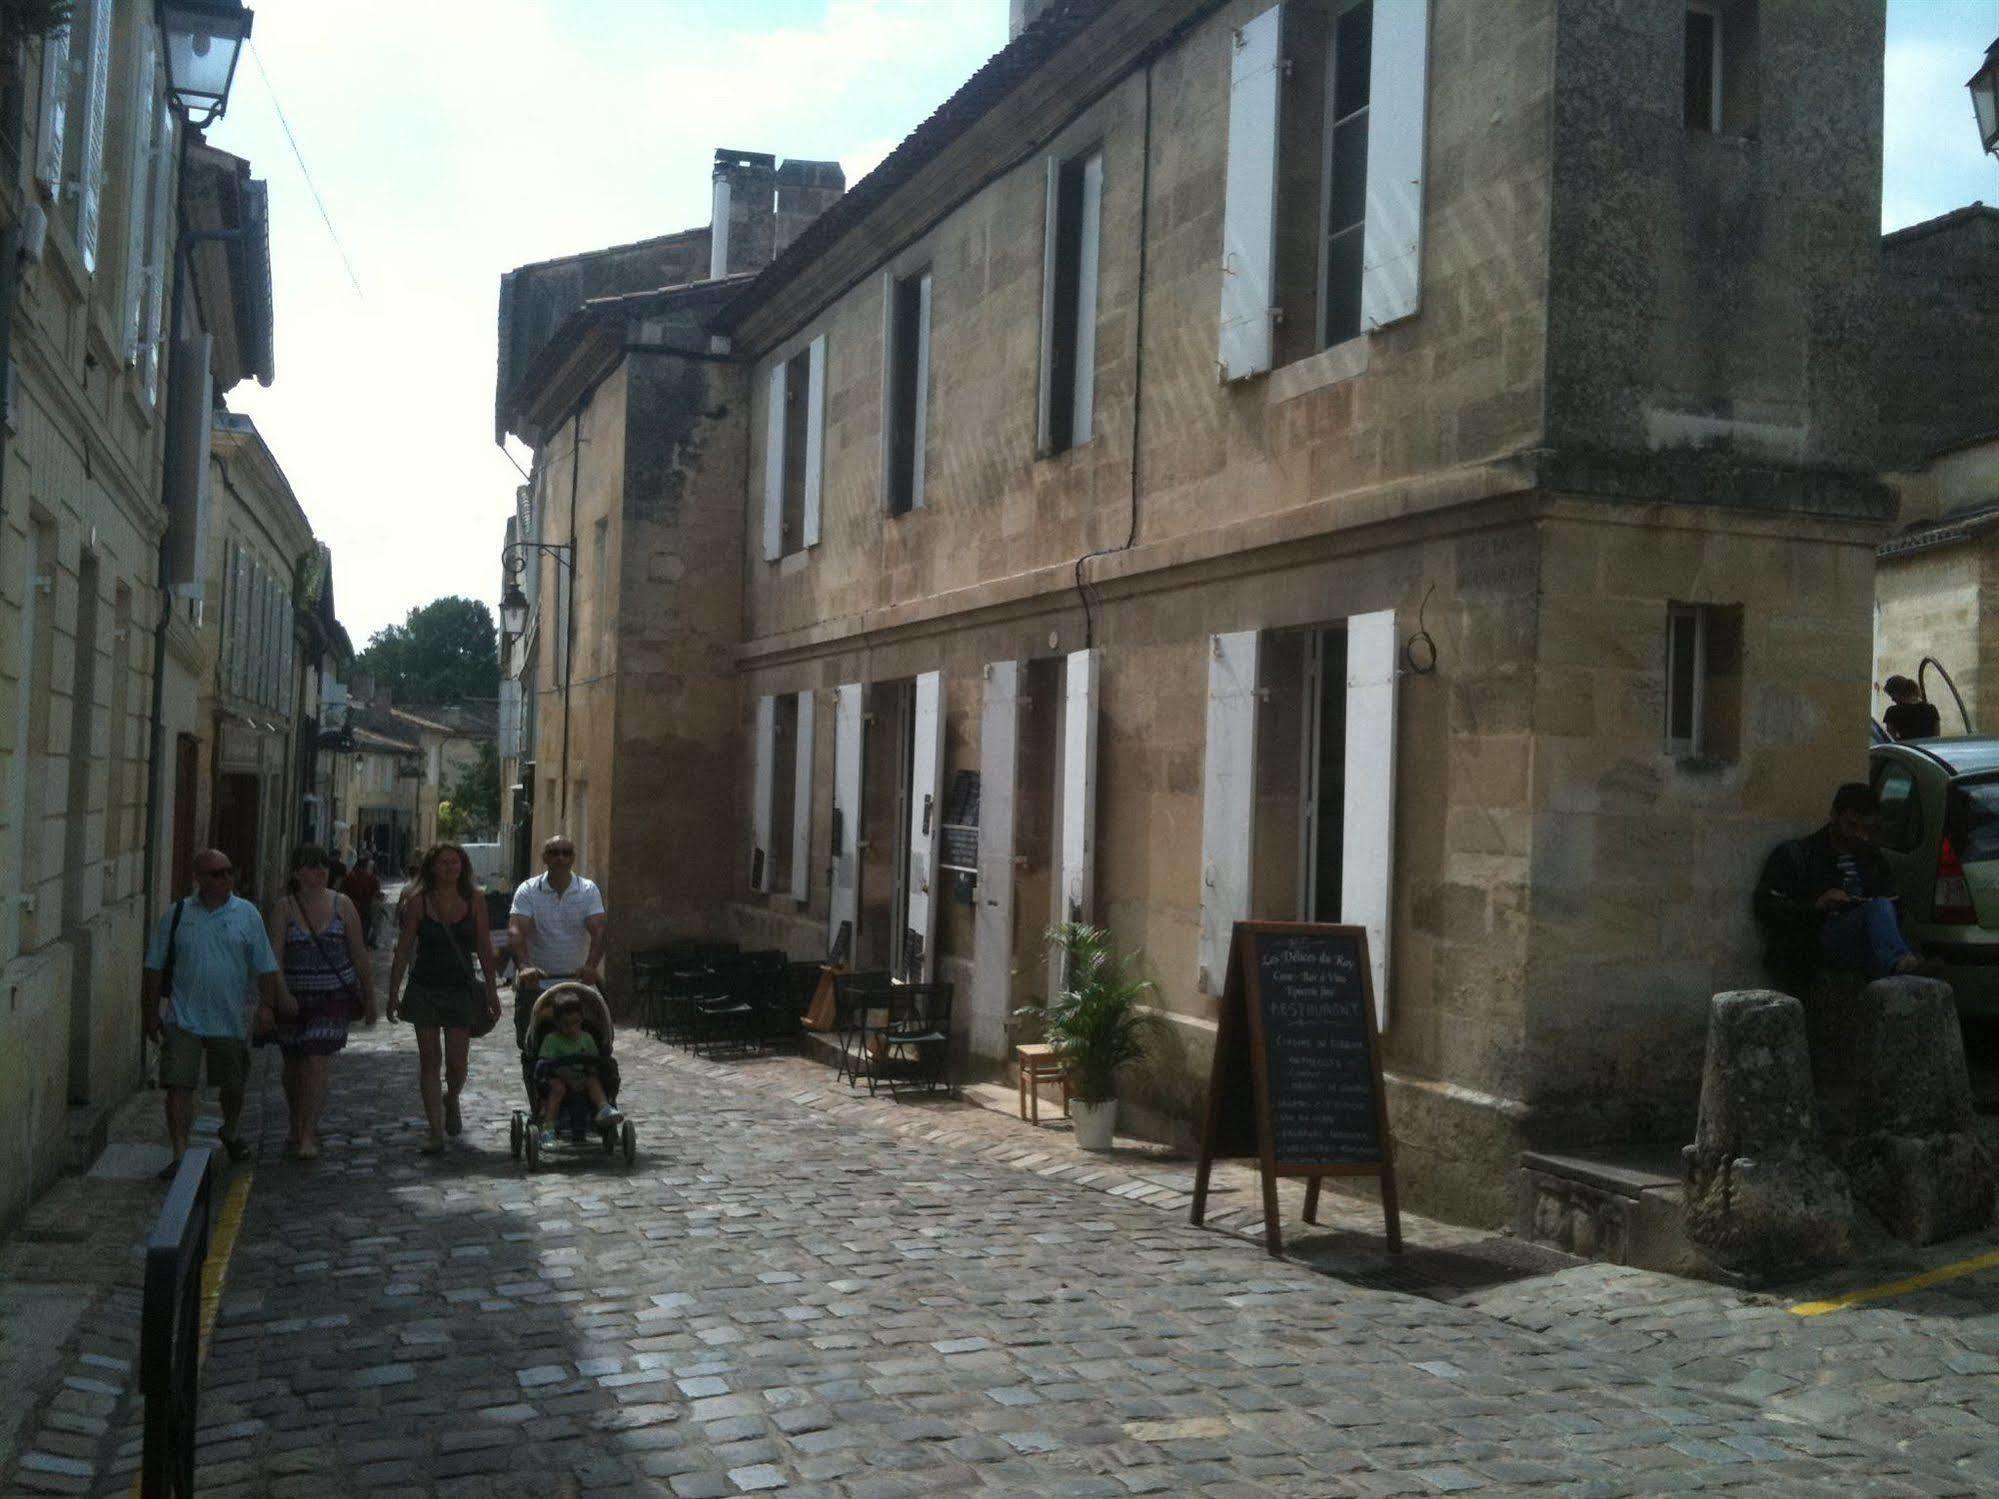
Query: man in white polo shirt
[556, 930]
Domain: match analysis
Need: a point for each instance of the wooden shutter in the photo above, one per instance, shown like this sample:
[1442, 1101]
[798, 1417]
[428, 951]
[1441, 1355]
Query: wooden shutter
[54, 114]
[815, 438]
[992, 918]
[138, 229]
[1367, 863]
[917, 960]
[1079, 786]
[1249, 204]
[774, 466]
[1398, 88]
[96, 77]
[190, 419]
[1089, 238]
[1228, 807]
[1051, 274]
[801, 800]
[845, 901]
[920, 437]
[760, 789]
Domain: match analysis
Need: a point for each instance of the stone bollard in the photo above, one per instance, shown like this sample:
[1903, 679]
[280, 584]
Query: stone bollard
[1836, 1026]
[1761, 1196]
[1914, 1154]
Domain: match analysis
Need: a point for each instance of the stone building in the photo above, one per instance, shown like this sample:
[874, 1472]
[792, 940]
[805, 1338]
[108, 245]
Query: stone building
[1937, 578]
[103, 526]
[624, 673]
[1407, 463]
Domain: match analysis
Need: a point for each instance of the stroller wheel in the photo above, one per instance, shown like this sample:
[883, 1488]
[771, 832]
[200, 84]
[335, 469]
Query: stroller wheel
[629, 1138]
[533, 1138]
[514, 1135]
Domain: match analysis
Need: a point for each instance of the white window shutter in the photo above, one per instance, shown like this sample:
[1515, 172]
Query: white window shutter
[926, 812]
[159, 272]
[992, 918]
[1228, 806]
[1082, 412]
[815, 438]
[1050, 271]
[90, 168]
[54, 114]
[774, 466]
[801, 800]
[1249, 205]
[760, 788]
[1367, 861]
[137, 229]
[1398, 89]
[921, 436]
[190, 430]
[845, 898]
[1079, 786]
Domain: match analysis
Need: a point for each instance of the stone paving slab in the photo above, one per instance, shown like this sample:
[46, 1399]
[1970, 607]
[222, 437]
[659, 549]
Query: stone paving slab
[782, 1298]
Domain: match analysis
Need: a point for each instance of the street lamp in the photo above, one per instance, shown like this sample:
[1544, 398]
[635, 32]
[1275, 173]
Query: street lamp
[204, 39]
[513, 561]
[1984, 86]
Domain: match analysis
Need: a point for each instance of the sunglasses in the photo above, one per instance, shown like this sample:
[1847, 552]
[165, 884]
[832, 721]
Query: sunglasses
[560, 853]
[215, 874]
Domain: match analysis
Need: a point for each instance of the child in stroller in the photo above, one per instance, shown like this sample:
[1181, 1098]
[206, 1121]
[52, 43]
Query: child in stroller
[570, 1075]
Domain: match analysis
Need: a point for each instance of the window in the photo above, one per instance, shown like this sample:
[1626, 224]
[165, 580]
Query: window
[907, 398]
[1322, 214]
[1703, 681]
[1069, 301]
[1901, 827]
[781, 816]
[1344, 178]
[1703, 75]
[83, 169]
[1719, 81]
[794, 446]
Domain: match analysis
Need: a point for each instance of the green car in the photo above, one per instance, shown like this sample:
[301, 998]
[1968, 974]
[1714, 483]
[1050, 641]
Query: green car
[1940, 835]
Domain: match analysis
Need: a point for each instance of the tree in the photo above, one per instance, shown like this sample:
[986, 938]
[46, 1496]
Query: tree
[474, 794]
[442, 653]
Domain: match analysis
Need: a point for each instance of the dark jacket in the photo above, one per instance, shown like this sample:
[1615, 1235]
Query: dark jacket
[1795, 875]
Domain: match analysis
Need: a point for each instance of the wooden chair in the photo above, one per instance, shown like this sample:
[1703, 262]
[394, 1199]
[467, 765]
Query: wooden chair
[1039, 1064]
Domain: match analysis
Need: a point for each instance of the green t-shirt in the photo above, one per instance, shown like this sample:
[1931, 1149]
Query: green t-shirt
[555, 1046]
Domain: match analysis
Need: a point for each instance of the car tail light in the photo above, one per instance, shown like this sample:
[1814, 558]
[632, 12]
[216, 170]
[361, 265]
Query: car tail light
[1950, 903]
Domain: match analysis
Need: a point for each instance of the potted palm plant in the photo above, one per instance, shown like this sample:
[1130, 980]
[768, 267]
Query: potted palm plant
[1097, 1023]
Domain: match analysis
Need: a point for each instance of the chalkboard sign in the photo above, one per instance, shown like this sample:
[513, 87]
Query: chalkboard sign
[1297, 1071]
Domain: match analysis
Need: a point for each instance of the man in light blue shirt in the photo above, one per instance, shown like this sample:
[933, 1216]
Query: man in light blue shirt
[214, 947]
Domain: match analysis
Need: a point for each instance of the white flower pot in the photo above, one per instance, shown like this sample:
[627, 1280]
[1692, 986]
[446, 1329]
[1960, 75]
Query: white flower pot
[1094, 1123]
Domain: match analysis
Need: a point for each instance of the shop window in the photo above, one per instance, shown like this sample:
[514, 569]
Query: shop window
[1703, 718]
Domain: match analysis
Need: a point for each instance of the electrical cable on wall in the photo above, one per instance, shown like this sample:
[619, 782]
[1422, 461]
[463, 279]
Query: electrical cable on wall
[1419, 651]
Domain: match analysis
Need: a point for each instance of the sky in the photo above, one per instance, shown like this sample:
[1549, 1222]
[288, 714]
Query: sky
[452, 140]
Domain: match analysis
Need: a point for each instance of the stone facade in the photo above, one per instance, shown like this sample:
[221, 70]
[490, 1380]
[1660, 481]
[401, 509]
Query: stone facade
[1529, 479]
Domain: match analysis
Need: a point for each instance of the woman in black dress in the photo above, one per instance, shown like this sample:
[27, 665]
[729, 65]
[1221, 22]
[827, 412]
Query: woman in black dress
[444, 926]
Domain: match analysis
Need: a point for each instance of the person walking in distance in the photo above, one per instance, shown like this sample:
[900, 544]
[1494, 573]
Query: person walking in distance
[328, 974]
[206, 955]
[557, 930]
[444, 929]
[364, 889]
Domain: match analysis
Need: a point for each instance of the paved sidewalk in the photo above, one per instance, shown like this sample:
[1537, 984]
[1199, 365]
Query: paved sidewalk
[821, 1301]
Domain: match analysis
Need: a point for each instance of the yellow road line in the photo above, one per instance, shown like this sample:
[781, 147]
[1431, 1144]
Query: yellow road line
[1898, 1287]
[215, 1270]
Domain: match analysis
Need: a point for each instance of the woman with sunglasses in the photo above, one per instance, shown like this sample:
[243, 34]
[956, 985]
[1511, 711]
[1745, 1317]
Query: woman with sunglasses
[444, 929]
[318, 932]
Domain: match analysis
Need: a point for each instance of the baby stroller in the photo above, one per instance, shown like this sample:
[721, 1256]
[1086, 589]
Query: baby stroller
[578, 1119]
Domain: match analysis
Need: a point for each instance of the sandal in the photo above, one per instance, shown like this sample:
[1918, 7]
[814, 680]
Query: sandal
[432, 1146]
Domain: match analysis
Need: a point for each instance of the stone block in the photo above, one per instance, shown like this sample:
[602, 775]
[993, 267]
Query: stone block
[1911, 1145]
[1761, 1196]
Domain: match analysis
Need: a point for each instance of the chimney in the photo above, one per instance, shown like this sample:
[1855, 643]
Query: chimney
[1024, 14]
[740, 233]
[805, 189]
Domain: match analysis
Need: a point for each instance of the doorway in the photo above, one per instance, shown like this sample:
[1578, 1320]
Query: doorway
[237, 797]
[1301, 775]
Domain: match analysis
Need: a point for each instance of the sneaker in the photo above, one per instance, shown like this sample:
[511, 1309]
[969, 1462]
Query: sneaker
[609, 1115]
[548, 1134]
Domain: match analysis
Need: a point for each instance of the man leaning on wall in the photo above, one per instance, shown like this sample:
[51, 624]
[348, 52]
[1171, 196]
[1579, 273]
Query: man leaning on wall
[557, 930]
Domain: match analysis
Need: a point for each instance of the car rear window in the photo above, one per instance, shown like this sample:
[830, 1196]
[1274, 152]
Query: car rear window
[1975, 820]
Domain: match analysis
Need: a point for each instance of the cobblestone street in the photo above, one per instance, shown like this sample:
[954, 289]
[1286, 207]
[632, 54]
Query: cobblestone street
[784, 1294]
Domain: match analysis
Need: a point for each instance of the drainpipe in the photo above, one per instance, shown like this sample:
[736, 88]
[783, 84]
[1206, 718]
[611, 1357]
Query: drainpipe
[569, 603]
